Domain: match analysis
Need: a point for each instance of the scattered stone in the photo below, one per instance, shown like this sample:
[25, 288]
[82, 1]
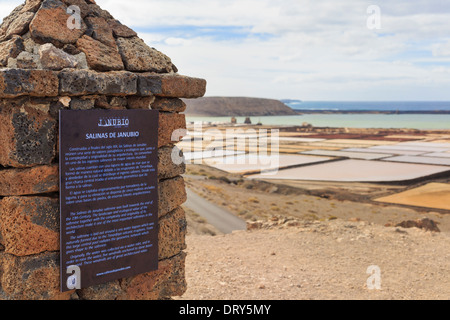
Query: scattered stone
[426, 224]
[139, 57]
[400, 231]
[56, 59]
[275, 222]
[100, 56]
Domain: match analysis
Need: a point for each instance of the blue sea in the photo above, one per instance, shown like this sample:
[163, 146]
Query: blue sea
[401, 106]
[359, 120]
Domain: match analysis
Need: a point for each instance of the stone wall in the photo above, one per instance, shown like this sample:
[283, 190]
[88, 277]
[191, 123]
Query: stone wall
[47, 68]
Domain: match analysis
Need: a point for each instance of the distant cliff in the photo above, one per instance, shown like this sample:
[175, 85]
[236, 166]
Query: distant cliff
[236, 107]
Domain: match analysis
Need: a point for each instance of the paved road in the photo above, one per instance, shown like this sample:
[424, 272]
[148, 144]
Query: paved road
[220, 218]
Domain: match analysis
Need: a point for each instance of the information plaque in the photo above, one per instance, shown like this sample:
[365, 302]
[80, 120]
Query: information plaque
[108, 195]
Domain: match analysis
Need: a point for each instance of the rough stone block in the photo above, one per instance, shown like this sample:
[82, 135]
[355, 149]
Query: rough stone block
[95, 10]
[104, 292]
[167, 168]
[82, 104]
[120, 30]
[31, 278]
[99, 29]
[50, 24]
[171, 86]
[28, 134]
[136, 102]
[25, 60]
[84, 8]
[31, 5]
[139, 57]
[85, 82]
[100, 56]
[55, 59]
[16, 23]
[172, 194]
[172, 234]
[172, 126]
[168, 281]
[30, 225]
[30, 181]
[35, 83]
[169, 105]
[10, 49]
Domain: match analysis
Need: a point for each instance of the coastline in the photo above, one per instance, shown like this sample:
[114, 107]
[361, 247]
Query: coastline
[308, 111]
[338, 120]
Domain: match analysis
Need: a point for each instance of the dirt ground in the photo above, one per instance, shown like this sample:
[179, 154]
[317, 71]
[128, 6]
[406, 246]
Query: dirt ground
[318, 261]
[312, 242]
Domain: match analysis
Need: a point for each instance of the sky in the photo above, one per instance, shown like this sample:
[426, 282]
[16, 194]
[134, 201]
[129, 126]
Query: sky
[311, 50]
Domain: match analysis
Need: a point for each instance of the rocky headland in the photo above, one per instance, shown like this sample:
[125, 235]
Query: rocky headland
[236, 107]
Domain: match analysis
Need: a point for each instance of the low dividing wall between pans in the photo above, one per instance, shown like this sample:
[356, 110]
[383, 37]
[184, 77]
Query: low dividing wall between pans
[357, 171]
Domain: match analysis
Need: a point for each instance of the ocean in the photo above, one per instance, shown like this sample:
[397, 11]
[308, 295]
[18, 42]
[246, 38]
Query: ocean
[401, 120]
[392, 106]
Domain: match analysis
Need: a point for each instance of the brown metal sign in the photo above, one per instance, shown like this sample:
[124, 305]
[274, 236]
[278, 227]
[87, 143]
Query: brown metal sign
[108, 195]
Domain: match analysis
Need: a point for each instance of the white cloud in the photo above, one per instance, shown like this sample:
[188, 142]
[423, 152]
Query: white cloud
[442, 49]
[177, 42]
[307, 49]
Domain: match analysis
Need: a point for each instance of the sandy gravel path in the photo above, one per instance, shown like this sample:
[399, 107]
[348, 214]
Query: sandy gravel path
[217, 216]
